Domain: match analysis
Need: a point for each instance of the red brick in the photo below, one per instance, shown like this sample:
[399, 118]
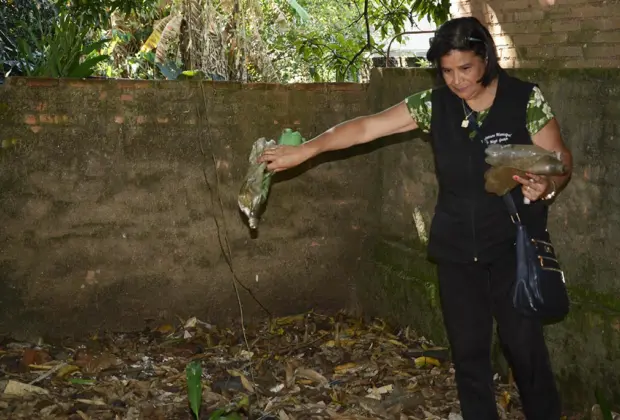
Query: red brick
[504, 17]
[526, 39]
[540, 52]
[610, 23]
[41, 106]
[141, 119]
[516, 4]
[503, 41]
[255, 86]
[216, 85]
[607, 36]
[119, 119]
[339, 87]
[134, 84]
[530, 27]
[79, 84]
[597, 51]
[30, 119]
[53, 119]
[536, 14]
[590, 63]
[41, 82]
[558, 13]
[36, 128]
[463, 8]
[46, 119]
[554, 38]
[509, 62]
[528, 64]
[464, 13]
[601, 51]
[569, 51]
[591, 11]
[126, 97]
[566, 25]
[506, 53]
[103, 95]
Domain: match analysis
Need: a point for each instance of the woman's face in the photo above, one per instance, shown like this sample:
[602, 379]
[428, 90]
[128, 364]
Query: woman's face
[461, 71]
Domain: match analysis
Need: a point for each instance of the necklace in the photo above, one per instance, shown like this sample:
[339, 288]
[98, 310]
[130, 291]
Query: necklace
[465, 122]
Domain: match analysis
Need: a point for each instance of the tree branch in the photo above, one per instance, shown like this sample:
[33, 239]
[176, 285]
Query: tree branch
[368, 44]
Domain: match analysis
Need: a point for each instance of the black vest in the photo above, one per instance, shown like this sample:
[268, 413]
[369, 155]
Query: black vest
[471, 224]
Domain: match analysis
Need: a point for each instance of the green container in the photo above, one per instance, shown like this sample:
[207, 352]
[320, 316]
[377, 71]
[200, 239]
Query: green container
[291, 138]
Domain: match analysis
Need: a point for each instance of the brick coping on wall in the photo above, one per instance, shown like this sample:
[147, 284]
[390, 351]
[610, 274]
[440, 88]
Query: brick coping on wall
[228, 85]
[163, 84]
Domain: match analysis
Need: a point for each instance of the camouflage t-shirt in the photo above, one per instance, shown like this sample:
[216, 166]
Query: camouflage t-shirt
[538, 111]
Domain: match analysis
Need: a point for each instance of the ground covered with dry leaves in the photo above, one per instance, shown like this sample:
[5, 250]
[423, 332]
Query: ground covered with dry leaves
[302, 367]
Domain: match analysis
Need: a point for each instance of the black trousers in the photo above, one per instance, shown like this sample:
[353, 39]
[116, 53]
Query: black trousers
[471, 295]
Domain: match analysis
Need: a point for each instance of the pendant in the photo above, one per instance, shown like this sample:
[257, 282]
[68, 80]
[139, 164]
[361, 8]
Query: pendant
[465, 123]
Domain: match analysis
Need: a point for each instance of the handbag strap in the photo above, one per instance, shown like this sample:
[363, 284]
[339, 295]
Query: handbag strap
[512, 208]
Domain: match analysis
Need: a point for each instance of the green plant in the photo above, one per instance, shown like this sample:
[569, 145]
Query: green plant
[62, 50]
[17, 19]
[99, 12]
[603, 405]
[193, 373]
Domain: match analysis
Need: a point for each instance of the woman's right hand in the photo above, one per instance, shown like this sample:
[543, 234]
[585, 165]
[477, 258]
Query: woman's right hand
[284, 157]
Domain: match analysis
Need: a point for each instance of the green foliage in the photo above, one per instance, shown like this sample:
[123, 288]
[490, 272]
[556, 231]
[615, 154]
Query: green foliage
[316, 50]
[127, 34]
[389, 16]
[99, 12]
[222, 414]
[232, 412]
[336, 43]
[193, 372]
[18, 19]
[246, 40]
[604, 405]
[60, 50]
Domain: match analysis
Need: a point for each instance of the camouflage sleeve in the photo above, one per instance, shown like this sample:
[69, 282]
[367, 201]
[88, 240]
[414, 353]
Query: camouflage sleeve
[538, 111]
[420, 105]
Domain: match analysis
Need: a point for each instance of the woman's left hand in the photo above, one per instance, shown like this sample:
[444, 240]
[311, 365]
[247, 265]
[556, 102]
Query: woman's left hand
[535, 187]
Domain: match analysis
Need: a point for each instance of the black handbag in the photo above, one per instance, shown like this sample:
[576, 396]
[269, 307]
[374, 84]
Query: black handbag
[540, 287]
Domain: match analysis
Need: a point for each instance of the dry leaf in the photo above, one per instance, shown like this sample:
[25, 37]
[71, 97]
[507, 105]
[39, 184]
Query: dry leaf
[20, 389]
[312, 375]
[367, 371]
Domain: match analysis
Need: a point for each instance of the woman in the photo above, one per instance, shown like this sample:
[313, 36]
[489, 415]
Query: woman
[472, 236]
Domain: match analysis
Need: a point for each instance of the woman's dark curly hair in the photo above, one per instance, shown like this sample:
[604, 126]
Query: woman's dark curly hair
[464, 34]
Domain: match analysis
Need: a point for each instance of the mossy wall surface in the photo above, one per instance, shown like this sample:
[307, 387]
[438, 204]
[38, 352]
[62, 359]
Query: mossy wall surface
[119, 196]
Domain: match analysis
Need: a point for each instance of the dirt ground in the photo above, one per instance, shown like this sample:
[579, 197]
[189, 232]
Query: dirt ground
[308, 366]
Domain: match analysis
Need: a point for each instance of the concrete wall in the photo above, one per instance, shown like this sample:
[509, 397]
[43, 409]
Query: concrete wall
[568, 34]
[109, 206]
[107, 219]
[585, 225]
